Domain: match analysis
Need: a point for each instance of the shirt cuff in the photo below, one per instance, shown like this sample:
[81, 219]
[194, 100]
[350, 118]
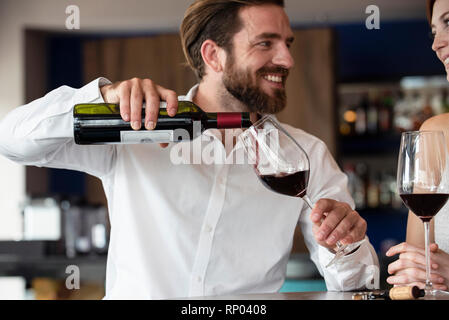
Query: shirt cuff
[325, 256]
[91, 93]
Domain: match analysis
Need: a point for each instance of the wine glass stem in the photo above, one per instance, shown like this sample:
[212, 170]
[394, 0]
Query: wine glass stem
[308, 201]
[428, 287]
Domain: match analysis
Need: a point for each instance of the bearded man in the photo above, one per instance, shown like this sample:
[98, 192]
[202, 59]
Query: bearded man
[202, 230]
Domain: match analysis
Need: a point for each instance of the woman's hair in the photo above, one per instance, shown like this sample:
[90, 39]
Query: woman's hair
[429, 8]
[217, 20]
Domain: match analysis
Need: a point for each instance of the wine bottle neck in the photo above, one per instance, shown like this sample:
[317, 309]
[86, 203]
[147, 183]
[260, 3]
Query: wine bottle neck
[227, 120]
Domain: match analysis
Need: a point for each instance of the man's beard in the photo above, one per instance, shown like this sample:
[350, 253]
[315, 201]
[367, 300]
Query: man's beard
[240, 85]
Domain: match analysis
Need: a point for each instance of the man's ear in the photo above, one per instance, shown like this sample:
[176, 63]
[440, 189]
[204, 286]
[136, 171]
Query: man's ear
[213, 56]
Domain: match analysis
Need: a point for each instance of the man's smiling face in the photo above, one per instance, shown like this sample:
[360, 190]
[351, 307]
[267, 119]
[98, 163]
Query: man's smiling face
[257, 69]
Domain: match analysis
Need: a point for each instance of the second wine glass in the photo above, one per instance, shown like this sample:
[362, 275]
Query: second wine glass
[423, 184]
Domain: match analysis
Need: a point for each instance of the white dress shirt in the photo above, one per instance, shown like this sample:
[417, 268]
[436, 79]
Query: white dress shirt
[185, 230]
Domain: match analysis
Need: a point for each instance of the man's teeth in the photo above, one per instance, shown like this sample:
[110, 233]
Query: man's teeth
[273, 78]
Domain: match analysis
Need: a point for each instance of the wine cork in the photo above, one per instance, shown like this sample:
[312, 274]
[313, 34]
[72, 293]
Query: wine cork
[404, 293]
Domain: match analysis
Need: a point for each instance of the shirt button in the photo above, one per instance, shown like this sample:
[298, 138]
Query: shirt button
[208, 228]
[199, 279]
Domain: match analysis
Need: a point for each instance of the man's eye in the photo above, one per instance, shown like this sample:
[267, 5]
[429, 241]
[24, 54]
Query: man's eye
[265, 43]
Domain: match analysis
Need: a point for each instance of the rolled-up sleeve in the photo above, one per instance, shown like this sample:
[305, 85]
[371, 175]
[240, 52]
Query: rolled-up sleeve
[40, 133]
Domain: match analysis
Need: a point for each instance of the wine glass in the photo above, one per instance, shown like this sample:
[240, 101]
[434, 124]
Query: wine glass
[282, 165]
[423, 183]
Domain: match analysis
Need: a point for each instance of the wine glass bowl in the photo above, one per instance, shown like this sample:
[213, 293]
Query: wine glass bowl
[423, 184]
[279, 161]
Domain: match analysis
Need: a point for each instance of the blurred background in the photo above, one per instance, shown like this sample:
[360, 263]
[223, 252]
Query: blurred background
[354, 88]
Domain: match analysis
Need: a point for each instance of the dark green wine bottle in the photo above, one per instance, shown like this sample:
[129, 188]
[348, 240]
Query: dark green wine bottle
[101, 123]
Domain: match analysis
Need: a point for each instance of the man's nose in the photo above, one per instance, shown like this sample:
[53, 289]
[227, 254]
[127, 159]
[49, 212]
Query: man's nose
[283, 57]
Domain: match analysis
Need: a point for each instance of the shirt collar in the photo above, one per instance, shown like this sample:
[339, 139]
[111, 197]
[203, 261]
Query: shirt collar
[191, 94]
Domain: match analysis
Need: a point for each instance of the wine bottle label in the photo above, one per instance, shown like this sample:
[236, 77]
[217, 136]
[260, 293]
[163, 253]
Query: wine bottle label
[144, 136]
[101, 123]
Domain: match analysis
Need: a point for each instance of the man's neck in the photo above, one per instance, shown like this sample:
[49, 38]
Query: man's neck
[212, 98]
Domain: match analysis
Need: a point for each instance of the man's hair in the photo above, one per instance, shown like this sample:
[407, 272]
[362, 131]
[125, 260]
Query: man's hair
[217, 20]
[429, 7]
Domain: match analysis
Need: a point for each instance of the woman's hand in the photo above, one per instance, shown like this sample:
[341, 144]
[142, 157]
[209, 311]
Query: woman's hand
[410, 268]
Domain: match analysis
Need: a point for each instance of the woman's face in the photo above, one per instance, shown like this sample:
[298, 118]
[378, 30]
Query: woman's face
[440, 30]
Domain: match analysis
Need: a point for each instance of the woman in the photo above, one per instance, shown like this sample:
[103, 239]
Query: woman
[410, 268]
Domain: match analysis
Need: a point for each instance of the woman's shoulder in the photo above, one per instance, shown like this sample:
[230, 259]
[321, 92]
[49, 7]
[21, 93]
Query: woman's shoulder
[439, 122]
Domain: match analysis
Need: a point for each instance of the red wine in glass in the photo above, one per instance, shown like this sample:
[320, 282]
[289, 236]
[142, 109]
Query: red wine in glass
[425, 205]
[294, 184]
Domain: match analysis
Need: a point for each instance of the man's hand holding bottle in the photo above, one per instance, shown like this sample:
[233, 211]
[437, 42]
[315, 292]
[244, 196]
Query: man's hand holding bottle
[131, 94]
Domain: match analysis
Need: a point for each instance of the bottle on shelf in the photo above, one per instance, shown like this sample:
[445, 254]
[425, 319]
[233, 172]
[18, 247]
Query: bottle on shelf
[372, 113]
[102, 124]
[385, 196]
[360, 192]
[386, 112]
[360, 123]
[402, 113]
[372, 191]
